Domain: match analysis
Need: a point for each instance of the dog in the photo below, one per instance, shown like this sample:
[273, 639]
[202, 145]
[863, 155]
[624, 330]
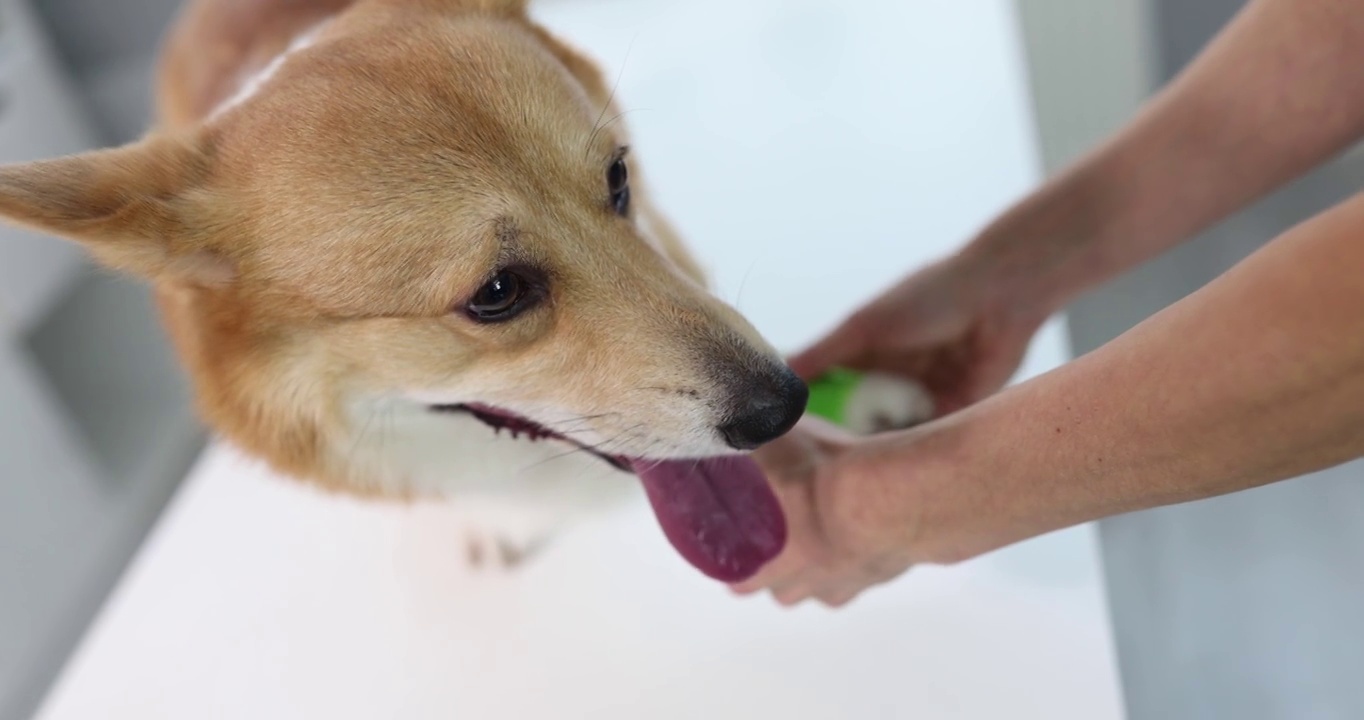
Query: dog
[403, 249]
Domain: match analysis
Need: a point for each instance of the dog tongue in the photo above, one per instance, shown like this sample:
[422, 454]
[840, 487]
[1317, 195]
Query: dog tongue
[719, 513]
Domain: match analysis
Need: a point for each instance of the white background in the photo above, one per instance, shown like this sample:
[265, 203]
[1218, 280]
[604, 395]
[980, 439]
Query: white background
[811, 151]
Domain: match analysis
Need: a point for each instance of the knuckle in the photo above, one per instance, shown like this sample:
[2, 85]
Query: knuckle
[790, 597]
[837, 601]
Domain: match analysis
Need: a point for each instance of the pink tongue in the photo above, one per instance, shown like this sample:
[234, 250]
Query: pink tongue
[719, 513]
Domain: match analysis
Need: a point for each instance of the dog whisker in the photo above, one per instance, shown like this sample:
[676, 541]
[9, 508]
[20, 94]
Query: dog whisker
[610, 98]
[739, 296]
[620, 115]
[582, 448]
[562, 429]
[380, 406]
[553, 458]
[623, 436]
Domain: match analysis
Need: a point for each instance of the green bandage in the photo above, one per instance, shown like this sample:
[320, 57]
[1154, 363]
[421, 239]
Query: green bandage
[830, 393]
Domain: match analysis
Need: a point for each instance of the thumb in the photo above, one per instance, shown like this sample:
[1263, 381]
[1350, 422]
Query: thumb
[846, 342]
[795, 455]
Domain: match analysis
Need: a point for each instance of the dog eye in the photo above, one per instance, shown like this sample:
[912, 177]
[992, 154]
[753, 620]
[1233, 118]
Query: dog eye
[503, 298]
[618, 183]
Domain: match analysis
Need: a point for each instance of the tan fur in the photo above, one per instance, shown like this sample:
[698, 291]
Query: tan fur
[311, 245]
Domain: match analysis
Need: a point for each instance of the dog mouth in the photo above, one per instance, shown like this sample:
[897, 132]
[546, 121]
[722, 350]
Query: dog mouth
[519, 426]
[719, 512]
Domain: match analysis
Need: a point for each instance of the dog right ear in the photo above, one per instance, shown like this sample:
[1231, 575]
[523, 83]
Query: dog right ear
[138, 208]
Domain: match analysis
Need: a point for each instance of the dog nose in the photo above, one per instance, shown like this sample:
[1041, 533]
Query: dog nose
[767, 406]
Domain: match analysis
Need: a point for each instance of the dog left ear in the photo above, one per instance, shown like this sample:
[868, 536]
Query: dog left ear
[136, 208]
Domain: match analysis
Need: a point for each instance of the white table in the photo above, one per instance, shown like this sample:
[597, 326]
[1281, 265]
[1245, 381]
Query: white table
[811, 153]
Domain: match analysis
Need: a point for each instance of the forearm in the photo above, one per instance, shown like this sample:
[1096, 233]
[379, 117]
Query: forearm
[1276, 93]
[1256, 378]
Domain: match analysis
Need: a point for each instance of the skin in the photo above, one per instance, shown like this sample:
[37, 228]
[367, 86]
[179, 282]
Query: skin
[1256, 378]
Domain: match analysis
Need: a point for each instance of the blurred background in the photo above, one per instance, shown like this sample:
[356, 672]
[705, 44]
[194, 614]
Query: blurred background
[811, 151]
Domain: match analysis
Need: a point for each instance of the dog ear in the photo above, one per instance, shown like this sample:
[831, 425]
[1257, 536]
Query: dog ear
[136, 208]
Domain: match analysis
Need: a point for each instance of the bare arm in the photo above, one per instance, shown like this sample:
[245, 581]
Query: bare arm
[1256, 378]
[1276, 93]
[1279, 91]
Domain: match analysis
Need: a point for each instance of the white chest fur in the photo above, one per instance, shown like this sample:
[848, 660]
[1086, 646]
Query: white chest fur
[526, 489]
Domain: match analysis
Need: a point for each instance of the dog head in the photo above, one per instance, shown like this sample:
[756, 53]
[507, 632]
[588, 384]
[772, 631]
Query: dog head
[428, 209]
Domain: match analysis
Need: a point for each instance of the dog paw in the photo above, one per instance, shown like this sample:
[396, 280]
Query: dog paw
[493, 552]
[883, 402]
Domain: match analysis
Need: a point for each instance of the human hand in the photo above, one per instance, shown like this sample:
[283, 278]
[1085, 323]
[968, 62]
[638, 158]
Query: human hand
[848, 529]
[950, 326]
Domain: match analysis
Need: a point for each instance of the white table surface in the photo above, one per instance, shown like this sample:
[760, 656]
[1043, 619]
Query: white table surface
[812, 153]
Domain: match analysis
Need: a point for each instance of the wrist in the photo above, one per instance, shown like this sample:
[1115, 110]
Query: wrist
[960, 496]
[985, 477]
[1061, 240]
[995, 474]
[910, 496]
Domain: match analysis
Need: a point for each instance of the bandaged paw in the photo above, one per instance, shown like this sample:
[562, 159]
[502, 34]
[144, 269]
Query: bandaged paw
[866, 403]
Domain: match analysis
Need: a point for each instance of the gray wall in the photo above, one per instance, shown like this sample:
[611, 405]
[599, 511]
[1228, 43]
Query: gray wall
[96, 429]
[1246, 606]
[110, 47]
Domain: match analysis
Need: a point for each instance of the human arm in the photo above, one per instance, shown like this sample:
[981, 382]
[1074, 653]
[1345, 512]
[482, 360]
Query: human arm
[1255, 378]
[1273, 95]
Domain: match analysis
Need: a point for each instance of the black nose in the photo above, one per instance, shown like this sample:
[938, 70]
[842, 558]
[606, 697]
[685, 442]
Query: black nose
[765, 407]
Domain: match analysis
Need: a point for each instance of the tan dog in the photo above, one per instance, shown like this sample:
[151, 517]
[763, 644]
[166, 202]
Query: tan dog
[383, 230]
